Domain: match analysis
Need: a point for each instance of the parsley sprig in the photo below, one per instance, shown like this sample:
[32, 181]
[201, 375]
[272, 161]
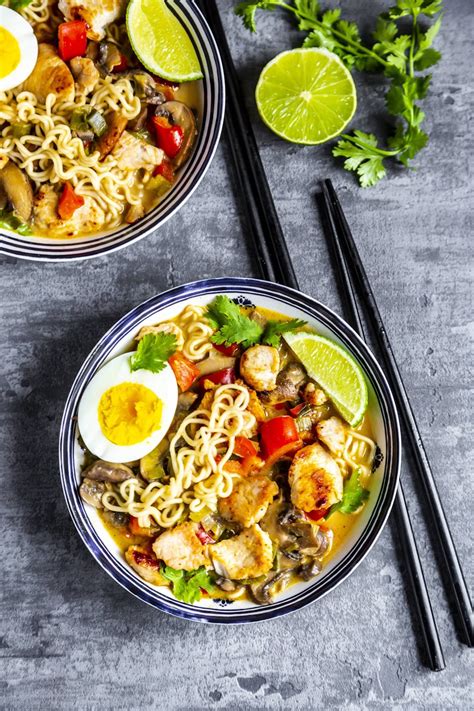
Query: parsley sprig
[353, 497]
[232, 326]
[153, 351]
[400, 57]
[188, 585]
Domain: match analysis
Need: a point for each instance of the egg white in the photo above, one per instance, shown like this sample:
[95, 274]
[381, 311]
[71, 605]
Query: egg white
[115, 372]
[23, 33]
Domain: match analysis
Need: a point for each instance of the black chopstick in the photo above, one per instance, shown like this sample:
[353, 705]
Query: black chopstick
[272, 256]
[405, 531]
[452, 570]
[271, 243]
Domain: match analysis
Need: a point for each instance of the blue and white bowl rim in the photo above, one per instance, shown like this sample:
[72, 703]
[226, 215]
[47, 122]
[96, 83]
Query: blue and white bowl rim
[14, 245]
[128, 324]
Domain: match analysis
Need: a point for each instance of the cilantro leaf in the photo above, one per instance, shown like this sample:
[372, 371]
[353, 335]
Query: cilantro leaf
[247, 10]
[362, 156]
[232, 326]
[153, 351]
[187, 585]
[353, 496]
[274, 329]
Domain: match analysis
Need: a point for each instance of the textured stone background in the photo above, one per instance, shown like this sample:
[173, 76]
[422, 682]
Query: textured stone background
[71, 638]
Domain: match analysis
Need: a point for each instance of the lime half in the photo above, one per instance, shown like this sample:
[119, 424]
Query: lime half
[160, 41]
[334, 370]
[306, 95]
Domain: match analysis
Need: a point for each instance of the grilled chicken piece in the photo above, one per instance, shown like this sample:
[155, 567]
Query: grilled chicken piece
[249, 500]
[132, 153]
[180, 547]
[315, 479]
[145, 564]
[332, 433]
[85, 73]
[97, 14]
[288, 383]
[259, 366]
[88, 218]
[50, 76]
[247, 555]
[314, 396]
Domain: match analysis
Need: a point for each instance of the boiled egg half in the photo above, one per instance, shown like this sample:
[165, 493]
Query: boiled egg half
[124, 414]
[18, 49]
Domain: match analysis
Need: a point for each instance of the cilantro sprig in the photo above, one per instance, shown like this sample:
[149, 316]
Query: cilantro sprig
[353, 497]
[232, 326]
[187, 585]
[399, 56]
[153, 351]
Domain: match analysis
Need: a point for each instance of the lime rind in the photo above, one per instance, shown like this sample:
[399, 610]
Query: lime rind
[170, 54]
[294, 103]
[352, 409]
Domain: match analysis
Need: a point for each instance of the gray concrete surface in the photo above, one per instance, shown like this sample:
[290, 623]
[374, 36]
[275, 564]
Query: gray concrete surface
[70, 637]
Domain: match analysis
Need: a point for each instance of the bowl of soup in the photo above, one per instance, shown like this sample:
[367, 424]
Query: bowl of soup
[210, 460]
[96, 151]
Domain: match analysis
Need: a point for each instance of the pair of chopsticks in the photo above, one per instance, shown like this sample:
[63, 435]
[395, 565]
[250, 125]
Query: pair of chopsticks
[274, 263]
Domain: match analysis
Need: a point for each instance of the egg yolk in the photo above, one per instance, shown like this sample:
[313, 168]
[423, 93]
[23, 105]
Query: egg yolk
[129, 413]
[9, 53]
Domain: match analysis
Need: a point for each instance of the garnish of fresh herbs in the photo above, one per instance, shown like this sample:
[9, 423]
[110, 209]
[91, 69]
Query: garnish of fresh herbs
[232, 326]
[401, 56]
[353, 497]
[153, 351]
[188, 586]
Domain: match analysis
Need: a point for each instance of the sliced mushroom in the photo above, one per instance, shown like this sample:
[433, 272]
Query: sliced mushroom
[309, 570]
[108, 56]
[214, 363]
[117, 519]
[92, 491]
[180, 115]
[288, 382]
[17, 187]
[264, 593]
[291, 516]
[108, 471]
[151, 465]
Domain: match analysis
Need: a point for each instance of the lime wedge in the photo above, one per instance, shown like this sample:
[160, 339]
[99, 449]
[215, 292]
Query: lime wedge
[160, 41]
[306, 95]
[334, 370]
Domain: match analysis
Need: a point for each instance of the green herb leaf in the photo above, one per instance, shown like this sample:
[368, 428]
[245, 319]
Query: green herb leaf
[353, 496]
[246, 10]
[274, 329]
[153, 351]
[18, 4]
[362, 156]
[187, 585]
[9, 221]
[232, 326]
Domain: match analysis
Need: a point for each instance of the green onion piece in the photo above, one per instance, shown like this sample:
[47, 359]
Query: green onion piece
[143, 135]
[21, 129]
[79, 119]
[97, 122]
[9, 221]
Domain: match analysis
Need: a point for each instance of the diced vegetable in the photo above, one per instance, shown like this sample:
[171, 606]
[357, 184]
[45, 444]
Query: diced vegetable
[97, 122]
[244, 447]
[279, 437]
[72, 39]
[317, 514]
[9, 221]
[220, 377]
[165, 169]
[295, 411]
[85, 118]
[69, 202]
[204, 536]
[138, 530]
[185, 371]
[232, 350]
[21, 129]
[123, 66]
[168, 137]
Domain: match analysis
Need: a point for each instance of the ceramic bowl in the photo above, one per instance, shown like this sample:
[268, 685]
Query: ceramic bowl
[210, 119]
[367, 526]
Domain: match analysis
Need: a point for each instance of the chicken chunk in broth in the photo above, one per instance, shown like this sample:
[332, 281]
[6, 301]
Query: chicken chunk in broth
[259, 478]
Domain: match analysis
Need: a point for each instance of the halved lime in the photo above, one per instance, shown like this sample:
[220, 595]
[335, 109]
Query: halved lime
[306, 95]
[334, 370]
[160, 41]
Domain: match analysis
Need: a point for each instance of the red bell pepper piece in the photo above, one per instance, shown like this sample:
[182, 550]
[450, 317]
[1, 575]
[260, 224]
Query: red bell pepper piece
[69, 202]
[231, 351]
[295, 411]
[165, 169]
[122, 66]
[185, 371]
[168, 136]
[204, 536]
[279, 437]
[220, 377]
[244, 447]
[316, 514]
[72, 39]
